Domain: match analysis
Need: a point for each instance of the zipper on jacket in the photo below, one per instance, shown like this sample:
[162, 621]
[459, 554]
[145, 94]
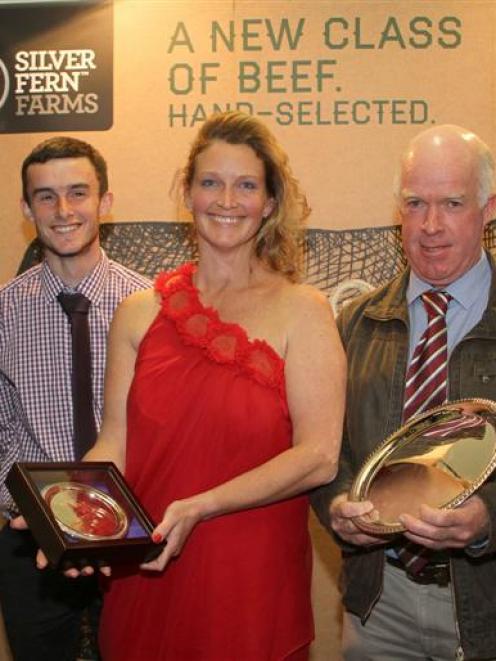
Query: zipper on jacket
[378, 595]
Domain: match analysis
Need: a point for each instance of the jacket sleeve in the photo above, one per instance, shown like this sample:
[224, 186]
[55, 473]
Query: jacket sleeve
[487, 493]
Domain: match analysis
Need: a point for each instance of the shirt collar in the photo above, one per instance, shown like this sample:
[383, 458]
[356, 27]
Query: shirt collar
[461, 289]
[92, 285]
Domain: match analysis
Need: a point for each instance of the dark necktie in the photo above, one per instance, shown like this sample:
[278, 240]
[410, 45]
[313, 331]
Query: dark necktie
[76, 306]
[426, 387]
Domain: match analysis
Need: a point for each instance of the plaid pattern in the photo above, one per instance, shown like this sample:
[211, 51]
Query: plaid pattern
[35, 356]
[14, 425]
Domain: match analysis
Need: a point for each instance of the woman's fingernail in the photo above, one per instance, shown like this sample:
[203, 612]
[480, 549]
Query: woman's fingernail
[157, 537]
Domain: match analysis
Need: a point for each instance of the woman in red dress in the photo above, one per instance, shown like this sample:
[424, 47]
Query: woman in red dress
[224, 405]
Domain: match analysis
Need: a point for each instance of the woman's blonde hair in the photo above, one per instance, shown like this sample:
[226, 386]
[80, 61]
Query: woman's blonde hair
[278, 242]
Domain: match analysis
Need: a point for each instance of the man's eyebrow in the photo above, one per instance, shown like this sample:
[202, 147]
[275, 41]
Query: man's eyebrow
[47, 189]
[37, 191]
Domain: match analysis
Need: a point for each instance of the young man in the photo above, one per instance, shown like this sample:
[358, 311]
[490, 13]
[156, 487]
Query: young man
[446, 610]
[65, 193]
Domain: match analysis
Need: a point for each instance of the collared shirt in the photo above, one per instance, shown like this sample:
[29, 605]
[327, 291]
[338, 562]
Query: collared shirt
[470, 294]
[36, 359]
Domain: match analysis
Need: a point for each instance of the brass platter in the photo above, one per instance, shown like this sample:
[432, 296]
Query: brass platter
[438, 458]
[85, 512]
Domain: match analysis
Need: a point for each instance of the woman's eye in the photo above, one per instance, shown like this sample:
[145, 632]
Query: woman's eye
[207, 183]
[248, 185]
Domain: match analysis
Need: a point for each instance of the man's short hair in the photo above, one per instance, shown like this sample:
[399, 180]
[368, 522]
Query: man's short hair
[65, 147]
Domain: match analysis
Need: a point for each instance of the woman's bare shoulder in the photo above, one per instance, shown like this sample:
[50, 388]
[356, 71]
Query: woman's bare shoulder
[139, 302]
[135, 314]
[302, 299]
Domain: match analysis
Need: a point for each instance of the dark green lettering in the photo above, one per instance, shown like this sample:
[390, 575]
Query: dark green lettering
[217, 31]
[175, 85]
[248, 36]
[284, 115]
[298, 75]
[398, 111]
[180, 38]
[391, 32]
[456, 36]
[303, 113]
[358, 116]
[249, 77]
[419, 112]
[327, 33]
[285, 34]
[416, 28]
[358, 35]
[272, 75]
[341, 110]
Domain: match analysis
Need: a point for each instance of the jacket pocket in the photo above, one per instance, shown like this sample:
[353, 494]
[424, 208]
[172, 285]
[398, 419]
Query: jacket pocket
[485, 372]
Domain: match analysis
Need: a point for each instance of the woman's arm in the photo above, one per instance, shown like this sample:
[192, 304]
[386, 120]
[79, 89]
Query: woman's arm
[129, 324]
[315, 383]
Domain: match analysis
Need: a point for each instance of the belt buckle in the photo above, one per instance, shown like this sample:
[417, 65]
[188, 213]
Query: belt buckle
[442, 575]
[432, 575]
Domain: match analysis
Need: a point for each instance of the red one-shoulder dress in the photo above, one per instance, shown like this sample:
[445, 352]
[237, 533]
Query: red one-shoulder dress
[206, 405]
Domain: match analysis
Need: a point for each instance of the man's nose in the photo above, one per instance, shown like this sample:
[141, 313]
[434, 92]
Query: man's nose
[432, 220]
[64, 207]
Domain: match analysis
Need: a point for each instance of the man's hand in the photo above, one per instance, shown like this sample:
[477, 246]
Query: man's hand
[343, 512]
[18, 523]
[42, 563]
[448, 529]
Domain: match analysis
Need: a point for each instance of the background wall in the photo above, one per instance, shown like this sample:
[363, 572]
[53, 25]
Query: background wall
[343, 84]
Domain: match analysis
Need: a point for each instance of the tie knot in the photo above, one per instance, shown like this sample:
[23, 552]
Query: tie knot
[72, 303]
[436, 302]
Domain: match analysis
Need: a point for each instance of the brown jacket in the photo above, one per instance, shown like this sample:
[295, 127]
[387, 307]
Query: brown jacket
[374, 330]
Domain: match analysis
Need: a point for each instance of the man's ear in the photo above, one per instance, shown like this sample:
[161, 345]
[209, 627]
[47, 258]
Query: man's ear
[489, 210]
[106, 202]
[26, 211]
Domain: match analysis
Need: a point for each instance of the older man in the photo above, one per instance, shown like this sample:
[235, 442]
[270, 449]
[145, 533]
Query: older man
[65, 193]
[446, 609]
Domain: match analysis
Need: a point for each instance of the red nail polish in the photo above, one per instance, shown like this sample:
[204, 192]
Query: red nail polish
[157, 537]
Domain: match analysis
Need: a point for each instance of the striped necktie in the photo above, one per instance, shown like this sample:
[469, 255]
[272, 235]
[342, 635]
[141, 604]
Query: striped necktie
[426, 379]
[426, 387]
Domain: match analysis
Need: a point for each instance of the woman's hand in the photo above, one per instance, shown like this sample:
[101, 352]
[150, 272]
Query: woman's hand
[179, 520]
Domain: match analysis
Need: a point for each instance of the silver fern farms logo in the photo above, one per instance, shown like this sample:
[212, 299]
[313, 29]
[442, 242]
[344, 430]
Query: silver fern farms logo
[4, 84]
[56, 80]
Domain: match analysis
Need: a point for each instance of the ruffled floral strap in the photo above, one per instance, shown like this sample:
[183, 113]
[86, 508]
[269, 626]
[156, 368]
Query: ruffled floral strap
[222, 342]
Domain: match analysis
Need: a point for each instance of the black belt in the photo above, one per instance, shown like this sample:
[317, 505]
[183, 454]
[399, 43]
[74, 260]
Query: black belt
[434, 573]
